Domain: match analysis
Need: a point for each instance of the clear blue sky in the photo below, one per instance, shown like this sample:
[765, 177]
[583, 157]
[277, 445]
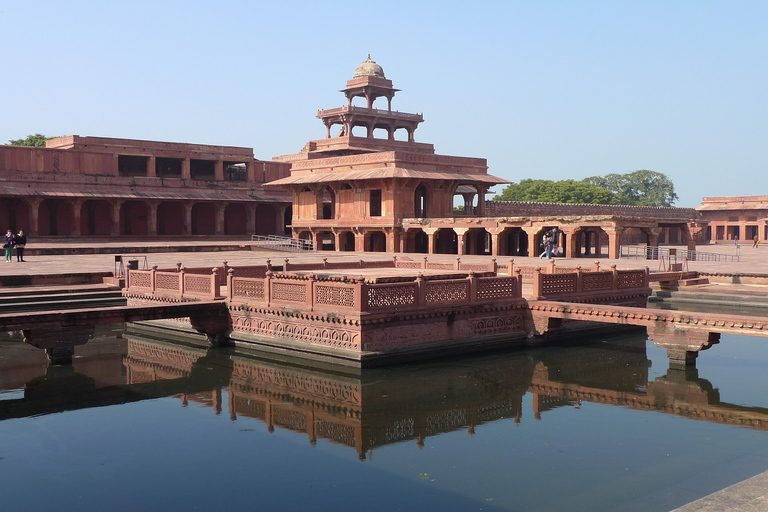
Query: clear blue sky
[551, 89]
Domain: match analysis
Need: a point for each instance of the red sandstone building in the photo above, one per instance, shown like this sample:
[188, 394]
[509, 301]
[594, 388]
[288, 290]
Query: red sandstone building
[97, 186]
[731, 218]
[366, 190]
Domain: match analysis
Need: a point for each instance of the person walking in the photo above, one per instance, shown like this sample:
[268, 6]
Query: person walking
[8, 246]
[756, 241]
[21, 242]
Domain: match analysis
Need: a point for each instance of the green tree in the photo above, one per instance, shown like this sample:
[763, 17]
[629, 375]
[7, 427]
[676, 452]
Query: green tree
[548, 191]
[37, 140]
[642, 188]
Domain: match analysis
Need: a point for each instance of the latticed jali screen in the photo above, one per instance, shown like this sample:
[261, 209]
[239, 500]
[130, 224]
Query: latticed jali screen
[392, 296]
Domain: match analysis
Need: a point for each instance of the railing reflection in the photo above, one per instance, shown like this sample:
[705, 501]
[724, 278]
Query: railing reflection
[367, 409]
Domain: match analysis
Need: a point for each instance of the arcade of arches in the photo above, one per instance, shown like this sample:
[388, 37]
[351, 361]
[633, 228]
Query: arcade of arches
[54, 216]
[451, 236]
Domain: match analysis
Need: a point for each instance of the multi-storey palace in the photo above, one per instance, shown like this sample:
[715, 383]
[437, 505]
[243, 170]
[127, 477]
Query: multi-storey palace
[359, 191]
[80, 186]
[368, 185]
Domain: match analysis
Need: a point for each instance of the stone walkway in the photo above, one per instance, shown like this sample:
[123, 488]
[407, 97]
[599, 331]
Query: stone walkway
[752, 261]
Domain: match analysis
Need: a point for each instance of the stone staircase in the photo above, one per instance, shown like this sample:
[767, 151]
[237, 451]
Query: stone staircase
[53, 298]
[717, 296]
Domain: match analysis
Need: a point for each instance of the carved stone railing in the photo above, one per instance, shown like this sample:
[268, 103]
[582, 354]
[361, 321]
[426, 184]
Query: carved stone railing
[447, 265]
[311, 292]
[174, 284]
[580, 285]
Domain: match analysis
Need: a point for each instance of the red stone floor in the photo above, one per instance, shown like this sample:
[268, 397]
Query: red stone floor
[752, 261]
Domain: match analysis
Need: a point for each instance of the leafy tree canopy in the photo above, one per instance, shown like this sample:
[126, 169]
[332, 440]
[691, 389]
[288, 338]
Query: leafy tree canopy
[642, 188]
[37, 140]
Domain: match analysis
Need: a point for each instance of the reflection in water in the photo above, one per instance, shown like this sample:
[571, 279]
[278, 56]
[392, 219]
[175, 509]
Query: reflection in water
[364, 410]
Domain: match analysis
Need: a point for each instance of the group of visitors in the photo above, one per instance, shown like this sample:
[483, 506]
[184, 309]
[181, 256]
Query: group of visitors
[18, 242]
[549, 244]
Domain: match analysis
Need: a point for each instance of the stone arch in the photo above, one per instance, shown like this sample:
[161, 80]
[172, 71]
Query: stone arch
[513, 241]
[588, 241]
[96, 217]
[203, 219]
[14, 214]
[326, 207]
[415, 240]
[478, 241]
[55, 217]
[287, 220]
[133, 218]
[375, 241]
[467, 197]
[235, 219]
[346, 241]
[170, 218]
[420, 202]
[265, 222]
[326, 241]
[446, 241]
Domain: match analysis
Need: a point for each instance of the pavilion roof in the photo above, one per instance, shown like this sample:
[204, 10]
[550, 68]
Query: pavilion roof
[384, 173]
[93, 191]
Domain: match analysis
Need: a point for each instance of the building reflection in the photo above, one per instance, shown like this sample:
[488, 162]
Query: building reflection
[361, 409]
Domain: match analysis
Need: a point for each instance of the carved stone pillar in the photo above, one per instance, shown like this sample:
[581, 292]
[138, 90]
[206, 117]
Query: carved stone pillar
[533, 247]
[220, 207]
[116, 207]
[77, 206]
[614, 242]
[461, 233]
[152, 208]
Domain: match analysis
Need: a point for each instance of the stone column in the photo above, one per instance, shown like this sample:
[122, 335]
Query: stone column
[218, 170]
[77, 206]
[533, 247]
[34, 216]
[430, 239]
[571, 248]
[250, 219]
[152, 167]
[461, 233]
[152, 207]
[220, 207]
[186, 172]
[116, 207]
[614, 242]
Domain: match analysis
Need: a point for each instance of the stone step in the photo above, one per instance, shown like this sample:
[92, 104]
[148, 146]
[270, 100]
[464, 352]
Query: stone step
[693, 282]
[60, 297]
[72, 303]
[13, 291]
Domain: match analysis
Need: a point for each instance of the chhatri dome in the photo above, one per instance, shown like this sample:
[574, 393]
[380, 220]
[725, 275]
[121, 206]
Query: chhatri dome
[369, 68]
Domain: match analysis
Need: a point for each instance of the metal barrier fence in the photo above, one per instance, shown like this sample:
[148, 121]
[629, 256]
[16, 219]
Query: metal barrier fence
[282, 243]
[648, 252]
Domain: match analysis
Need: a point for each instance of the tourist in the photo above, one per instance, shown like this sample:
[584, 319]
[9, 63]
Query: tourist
[21, 241]
[545, 244]
[8, 246]
[552, 236]
[756, 241]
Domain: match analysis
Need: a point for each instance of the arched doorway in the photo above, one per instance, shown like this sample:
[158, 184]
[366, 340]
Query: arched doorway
[377, 242]
[170, 218]
[446, 241]
[266, 220]
[347, 241]
[95, 218]
[133, 218]
[420, 202]
[513, 242]
[203, 219]
[235, 219]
